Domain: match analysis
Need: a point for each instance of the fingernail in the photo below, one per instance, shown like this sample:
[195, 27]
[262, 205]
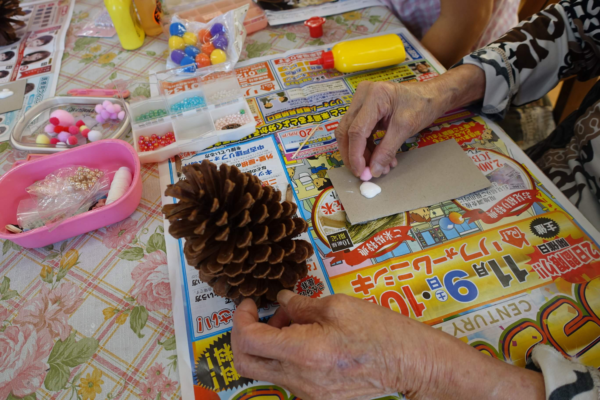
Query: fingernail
[284, 296]
[376, 170]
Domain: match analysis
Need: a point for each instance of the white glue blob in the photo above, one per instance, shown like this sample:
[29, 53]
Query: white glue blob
[369, 189]
[6, 93]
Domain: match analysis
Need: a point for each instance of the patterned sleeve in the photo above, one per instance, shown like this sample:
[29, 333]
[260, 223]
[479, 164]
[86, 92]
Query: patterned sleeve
[564, 379]
[528, 61]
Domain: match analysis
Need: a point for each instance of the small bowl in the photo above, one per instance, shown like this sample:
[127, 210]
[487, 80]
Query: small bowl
[32, 123]
[107, 154]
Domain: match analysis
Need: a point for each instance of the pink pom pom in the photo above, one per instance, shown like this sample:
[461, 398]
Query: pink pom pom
[79, 123]
[106, 103]
[85, 132]
[63, 136]
[72, 140]
[64, 117]
[110, 108]
[366, 174]
[100, 119]
[73, 130]
[117, 108]
[121, 115]
[98, 108]
[54, 140]
[49, 128]
[105, 114]
[54, 121]
[113, 116]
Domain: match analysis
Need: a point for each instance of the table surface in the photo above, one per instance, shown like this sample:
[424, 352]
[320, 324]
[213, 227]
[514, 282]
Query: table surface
[94, 291]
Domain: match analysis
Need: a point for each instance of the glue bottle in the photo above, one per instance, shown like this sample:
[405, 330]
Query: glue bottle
[150, 12]
[126, 23]
[362, 54]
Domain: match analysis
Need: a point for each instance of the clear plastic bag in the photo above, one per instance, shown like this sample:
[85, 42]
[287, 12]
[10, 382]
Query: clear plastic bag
[218, 43]
[64, 193]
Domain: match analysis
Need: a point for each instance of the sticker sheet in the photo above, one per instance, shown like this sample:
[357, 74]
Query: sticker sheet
[502, 269]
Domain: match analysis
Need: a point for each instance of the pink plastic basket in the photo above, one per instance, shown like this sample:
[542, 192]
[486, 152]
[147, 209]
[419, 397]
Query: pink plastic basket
[109, 154]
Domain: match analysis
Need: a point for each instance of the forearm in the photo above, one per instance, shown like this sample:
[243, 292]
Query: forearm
[458, 87]
[449, 44]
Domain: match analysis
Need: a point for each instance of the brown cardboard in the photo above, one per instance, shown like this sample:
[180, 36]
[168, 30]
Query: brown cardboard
[423, 177]
[14, 102]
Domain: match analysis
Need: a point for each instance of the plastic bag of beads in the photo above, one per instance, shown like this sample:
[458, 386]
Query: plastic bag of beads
[67, 192]
[198, 46]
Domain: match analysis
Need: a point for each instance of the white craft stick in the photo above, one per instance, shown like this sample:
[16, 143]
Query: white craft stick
[313, 130]
[119, 185]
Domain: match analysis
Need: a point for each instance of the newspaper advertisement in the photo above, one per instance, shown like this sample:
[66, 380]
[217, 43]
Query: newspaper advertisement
[38, 53]
[501, 269]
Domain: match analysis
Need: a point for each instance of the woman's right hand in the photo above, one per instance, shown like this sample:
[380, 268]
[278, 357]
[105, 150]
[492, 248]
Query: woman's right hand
[402, 110]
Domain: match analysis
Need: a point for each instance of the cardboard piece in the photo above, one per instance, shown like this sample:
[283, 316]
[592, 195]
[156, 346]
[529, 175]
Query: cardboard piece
[15, 101]
[423, 177]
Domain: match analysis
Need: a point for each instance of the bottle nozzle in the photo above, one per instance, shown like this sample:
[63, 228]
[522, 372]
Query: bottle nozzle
[326, 60]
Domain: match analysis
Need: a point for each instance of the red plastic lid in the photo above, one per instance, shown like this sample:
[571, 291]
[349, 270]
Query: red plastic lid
[326, 60]
[315, 26]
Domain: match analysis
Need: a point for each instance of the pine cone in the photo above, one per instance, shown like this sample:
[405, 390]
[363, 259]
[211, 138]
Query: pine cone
[8, 10]
[237, 233]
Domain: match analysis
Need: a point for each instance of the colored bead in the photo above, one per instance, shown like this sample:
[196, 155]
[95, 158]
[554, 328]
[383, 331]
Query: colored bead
[42, 139]
[232, 121]
[177, 56]
[177, 29]
[152, 114]
[216, 29]
[176, 43]
[204, 36]
[190, 38]
[218, 57]
[191, 51]
[202, 60]
[208, 48]
[188, 104]
[220, 42]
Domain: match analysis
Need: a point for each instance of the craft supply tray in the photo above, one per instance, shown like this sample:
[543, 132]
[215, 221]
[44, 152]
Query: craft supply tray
[105, 154]
[189, 106]
[32, 122]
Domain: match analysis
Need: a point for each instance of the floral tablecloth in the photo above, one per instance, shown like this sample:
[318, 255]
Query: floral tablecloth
[90, 317]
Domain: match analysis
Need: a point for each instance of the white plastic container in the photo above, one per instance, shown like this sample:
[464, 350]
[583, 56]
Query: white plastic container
[194, 126]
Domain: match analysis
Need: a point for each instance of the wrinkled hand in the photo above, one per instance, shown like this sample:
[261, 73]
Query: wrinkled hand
[337, 348]
[340, 347]
[402, 110]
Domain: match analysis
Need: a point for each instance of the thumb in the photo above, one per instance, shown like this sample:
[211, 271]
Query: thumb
[301, 310]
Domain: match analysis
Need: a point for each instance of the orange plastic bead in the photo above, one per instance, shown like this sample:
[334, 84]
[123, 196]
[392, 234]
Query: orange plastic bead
[204, 36]
[208, 48]
[202, 60]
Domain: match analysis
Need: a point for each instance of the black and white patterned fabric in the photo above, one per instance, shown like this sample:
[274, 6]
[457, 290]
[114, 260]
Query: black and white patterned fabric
[564, 379]
[527, 62]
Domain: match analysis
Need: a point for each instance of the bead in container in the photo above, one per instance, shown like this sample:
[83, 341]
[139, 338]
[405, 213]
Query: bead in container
[188, 104]
[233, 121]
[222, 96]
[152, 114]
[153, 142]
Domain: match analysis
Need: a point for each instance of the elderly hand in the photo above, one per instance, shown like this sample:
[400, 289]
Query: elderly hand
[341, 347]
[402, 110]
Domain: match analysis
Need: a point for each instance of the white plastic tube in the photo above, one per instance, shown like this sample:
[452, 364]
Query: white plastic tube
[119, 185]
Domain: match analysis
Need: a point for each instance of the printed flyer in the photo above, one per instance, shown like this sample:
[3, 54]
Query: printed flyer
[38, 53]
[501, 269]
